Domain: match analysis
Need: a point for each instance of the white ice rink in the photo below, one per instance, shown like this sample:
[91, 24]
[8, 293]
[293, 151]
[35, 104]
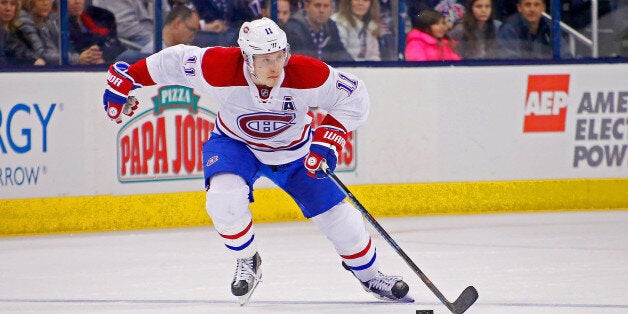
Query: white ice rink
[573, 262]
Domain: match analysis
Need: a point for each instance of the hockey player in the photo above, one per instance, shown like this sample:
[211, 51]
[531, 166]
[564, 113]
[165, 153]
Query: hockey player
[263, 128]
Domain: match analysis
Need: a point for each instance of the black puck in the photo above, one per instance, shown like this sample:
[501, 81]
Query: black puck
[424, 311]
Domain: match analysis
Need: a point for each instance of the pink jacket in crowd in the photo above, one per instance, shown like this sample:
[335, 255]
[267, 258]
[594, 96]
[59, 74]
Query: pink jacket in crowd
[421, 46]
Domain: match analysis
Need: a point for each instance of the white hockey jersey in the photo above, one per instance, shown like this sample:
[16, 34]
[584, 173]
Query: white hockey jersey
[276, 129]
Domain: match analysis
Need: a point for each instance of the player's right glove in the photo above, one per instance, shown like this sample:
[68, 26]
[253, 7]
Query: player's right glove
[116, 98]
[329, 139]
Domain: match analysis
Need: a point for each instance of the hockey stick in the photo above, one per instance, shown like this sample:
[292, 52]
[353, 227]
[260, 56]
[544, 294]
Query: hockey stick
[466, 298]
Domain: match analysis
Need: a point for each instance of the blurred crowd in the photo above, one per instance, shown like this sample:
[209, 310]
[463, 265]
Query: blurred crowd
[103, 31]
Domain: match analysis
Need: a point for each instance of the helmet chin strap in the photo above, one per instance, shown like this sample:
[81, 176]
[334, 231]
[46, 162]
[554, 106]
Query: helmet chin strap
[252, 73]
[249, 66]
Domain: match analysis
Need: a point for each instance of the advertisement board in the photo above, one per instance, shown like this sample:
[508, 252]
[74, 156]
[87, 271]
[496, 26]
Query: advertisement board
[445, 124]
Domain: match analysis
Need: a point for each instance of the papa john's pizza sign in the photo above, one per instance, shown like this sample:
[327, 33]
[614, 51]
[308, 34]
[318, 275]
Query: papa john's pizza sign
[165, 143]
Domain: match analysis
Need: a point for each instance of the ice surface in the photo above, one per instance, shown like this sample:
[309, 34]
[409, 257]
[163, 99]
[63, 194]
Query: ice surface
[567, 262]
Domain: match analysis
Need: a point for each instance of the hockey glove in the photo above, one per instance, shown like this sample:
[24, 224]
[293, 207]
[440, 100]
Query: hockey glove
[116, 98]
[329, 139]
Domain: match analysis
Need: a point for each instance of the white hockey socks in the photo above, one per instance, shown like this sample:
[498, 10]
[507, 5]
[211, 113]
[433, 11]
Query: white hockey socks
[227, 203]
[344, 226]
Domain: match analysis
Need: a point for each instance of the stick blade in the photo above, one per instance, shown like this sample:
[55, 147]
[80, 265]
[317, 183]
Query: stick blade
[465, 300]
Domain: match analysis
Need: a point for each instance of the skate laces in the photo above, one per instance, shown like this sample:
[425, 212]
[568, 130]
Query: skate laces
[383, 282]
[244, 269]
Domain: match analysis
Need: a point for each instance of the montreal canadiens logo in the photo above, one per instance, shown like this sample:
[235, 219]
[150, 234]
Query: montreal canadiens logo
[265, 125]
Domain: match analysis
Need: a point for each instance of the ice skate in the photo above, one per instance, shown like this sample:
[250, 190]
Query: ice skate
[385, 287]
[247, 275]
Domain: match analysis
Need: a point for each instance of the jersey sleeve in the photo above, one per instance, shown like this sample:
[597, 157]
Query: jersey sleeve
[176, 65]
[344, 97]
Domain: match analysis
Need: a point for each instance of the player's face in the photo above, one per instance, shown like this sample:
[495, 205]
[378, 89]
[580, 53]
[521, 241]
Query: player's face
[531, 10]
[482, 10]
[268, 67]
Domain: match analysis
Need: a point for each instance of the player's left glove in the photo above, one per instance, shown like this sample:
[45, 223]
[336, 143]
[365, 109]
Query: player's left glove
[329, 139]
[116, 98]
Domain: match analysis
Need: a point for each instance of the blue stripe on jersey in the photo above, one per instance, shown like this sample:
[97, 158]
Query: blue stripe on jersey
[243, 246]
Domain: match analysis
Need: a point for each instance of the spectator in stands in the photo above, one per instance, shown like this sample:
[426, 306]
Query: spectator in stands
[476, 34]
[29, 30]
[180, 26]
[91, 26]
[428, 40]
[388, 29]
[358, 26]
[527, 35]
[47, 24]
[19, 49]
[27, 34]
[135, 19]
[8, 14]
[311, 32]
[284, 11]
[221, 20]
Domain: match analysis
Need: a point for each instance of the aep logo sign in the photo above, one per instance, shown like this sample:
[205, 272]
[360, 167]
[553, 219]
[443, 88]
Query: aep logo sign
[546, 103]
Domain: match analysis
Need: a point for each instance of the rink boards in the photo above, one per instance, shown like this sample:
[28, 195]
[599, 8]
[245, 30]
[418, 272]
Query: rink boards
[101, 213]
[439, 140]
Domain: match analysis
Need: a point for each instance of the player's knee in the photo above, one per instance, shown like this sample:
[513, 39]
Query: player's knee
[227, 201]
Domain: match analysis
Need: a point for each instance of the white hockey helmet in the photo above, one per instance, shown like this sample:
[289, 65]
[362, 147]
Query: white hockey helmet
[261, 36]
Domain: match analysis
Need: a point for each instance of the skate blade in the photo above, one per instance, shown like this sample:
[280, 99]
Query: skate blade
[242, 300]
[406, 299]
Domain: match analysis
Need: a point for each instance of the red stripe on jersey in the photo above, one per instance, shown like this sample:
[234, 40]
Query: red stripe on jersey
[239, 234]
[139, 72]
[303, 72]
[304, 134]
[222, 67]
[359, 254]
